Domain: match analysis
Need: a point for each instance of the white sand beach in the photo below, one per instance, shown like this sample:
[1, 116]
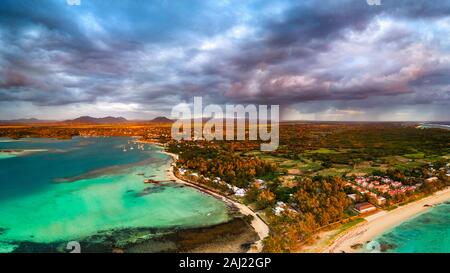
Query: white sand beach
[258, 224]
[382, 221]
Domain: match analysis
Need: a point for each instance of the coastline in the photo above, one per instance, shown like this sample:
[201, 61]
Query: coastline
[383, 221]
[232, 234]
[257, 223]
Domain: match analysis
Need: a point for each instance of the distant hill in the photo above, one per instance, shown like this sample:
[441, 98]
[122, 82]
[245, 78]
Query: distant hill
[92, 120]
[26, 121]
[87, 120]
[161, 120]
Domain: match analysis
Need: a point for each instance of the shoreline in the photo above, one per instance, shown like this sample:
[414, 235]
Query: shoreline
[382, 222]
[257, 223]
[233, 235]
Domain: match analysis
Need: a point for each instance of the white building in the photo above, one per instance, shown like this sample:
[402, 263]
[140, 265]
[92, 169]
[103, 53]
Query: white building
[182, 171]
[240, 192]
[381, 200]
[260, 183]
[279, 208]
[352, 197]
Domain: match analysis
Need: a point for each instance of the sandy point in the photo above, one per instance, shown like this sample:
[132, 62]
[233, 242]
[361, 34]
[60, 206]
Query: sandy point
[383, 221]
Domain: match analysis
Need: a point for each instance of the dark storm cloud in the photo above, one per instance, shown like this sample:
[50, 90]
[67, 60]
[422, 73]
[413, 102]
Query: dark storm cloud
[309, 29]
[96, 43]
[152, 55]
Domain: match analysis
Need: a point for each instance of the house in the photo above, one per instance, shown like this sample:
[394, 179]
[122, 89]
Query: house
[431, 179]
[381, 201]
[371, 194]
[352, 197]
[386, 180]
[240, 192]
[260, 184]
[360, 180]
[279, 208]
[397, 191]
[382, 188]
[230, 187]
[364, 207]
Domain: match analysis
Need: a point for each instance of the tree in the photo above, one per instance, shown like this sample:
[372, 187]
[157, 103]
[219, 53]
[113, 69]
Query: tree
[265, 199]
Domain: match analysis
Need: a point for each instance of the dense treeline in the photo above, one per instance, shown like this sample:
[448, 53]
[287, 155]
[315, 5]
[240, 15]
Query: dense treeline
[322, 197]
[147, 132]
[317, 202]
[359, 142]
[211, 160]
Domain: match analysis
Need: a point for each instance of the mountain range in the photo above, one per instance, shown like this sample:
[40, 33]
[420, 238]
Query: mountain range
[92, 120]
[86, 120]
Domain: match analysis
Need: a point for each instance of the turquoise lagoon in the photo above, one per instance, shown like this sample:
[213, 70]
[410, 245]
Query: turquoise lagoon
[426, 233]
[71, 189]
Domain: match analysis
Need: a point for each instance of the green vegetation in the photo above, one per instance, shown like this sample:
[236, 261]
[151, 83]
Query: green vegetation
[318, 202]
[302, 188]
[309, 169]
[212, 161]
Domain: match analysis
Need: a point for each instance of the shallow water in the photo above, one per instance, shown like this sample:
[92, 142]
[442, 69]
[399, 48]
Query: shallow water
[426, 233]
[107, 191]
[6, 155]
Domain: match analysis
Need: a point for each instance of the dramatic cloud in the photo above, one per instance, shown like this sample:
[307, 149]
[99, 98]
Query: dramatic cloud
[335, 60]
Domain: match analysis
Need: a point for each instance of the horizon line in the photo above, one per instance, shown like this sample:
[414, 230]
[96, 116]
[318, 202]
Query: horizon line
[45, 120]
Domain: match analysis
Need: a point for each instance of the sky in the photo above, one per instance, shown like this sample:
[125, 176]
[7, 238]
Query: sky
[319, 60]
